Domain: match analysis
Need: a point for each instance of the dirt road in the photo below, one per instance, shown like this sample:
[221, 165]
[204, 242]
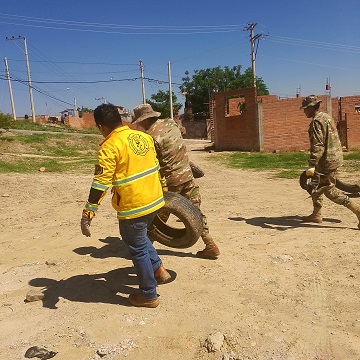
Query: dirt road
[280, 290]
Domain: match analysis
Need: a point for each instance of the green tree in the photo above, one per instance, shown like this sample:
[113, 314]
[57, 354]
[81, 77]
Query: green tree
[199, 88]
[84, 110]
[161, 102]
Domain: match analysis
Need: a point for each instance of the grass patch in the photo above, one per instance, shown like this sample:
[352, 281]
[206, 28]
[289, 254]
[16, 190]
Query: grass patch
[285, 165]
[26, 153]
[31, 165]
[6, 122]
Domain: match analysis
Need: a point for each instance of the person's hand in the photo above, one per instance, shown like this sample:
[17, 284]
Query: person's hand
[85, 223]
[310, 171]
[165, 188]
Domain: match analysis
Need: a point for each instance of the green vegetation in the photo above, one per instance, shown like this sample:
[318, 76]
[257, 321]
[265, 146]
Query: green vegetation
[200, 86]
[161, 102]
[284, 165]
[25, 153]
[7, 122]
[61, 152]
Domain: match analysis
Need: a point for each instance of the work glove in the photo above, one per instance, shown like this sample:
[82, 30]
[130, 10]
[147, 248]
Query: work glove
[85, 222]
[310, 171]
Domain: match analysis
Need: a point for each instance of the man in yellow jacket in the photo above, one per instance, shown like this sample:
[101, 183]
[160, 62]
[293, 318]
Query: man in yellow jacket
[127, 162]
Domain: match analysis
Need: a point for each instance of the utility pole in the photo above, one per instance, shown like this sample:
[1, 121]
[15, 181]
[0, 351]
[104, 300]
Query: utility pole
[328, 87]
[10, 89]
[253, 38]
[101, 98]
[142, 82]
[170, 92]
[28, 73]
[74, 101]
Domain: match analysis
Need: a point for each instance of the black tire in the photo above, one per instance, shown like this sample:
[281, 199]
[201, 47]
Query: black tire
[309, 183]
[349, 188]
[196, 171]
[303, 180]
[187, 213]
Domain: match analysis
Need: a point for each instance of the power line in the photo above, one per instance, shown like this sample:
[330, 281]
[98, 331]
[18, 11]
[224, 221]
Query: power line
[91, 82]
[78, 62]
[312, 43]
[114, 28]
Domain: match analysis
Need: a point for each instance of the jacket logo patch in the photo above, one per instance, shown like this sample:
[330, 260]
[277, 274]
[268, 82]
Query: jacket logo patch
[138, 144]
[98, 170]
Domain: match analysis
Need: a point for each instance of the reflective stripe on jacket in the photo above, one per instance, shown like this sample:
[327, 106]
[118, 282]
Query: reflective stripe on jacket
[127, 161]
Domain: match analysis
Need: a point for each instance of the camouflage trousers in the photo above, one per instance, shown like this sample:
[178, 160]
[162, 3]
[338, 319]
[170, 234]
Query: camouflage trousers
[327, 187]
[191, 191]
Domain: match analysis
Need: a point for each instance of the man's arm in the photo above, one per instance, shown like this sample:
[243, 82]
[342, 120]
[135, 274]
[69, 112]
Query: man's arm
[317, 143]
[104, 172]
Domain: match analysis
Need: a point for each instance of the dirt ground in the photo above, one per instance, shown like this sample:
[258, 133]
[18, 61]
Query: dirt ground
[281, 289]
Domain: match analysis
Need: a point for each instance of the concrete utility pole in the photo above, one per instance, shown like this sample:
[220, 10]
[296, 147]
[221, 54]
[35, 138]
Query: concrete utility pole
[10, 89]
[101, 98]
[28, 73]
[170, 92]
[142, 82]
[253, 38]
[74, 101]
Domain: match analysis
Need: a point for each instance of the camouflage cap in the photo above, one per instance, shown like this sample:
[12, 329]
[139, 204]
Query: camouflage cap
[310, 100]
[142, 112]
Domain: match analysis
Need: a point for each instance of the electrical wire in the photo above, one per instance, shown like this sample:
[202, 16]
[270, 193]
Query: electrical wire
[114, 28]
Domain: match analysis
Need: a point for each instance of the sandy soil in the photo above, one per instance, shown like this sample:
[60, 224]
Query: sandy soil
[281, 289]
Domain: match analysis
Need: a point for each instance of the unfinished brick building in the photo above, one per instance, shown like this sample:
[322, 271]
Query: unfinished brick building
[246, 122]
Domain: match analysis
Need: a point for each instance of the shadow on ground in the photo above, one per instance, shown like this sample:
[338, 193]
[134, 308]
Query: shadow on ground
[283, 223]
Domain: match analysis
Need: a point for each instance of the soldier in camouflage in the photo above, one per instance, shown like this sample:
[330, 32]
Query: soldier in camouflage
[325, 158]
[174, 165]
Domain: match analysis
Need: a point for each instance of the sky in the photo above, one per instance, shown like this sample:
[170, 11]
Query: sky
[90, 50]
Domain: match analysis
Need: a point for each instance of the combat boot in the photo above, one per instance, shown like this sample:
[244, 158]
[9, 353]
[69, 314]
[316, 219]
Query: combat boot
[315, 217]
[211, 250]
[355, 208]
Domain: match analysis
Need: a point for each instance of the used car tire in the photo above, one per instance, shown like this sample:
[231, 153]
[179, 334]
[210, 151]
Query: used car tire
[187, 213]
[349, 188]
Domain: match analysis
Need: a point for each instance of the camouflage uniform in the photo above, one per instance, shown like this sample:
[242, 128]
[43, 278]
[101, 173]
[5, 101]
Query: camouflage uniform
[326, 156]
[174, 166]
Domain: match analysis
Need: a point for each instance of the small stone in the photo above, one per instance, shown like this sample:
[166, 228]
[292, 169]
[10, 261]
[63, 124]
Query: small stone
[5, 195]
[214, 341]
[42, 169]
[34, 295]
[51, 262]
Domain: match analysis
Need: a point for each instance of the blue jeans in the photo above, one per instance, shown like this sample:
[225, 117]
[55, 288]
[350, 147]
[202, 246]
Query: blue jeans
[144, 256]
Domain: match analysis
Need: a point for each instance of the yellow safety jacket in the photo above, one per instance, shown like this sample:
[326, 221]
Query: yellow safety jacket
[127, 161]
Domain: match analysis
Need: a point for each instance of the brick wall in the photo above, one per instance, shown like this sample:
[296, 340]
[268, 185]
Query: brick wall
[352, 120]
[268, 123]
[232, 130]
[195, 129]
[284, 125]
[85, 122]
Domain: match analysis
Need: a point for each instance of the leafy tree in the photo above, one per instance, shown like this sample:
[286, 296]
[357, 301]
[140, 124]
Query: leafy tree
[161, 102]
[84, 110]
[200, 87]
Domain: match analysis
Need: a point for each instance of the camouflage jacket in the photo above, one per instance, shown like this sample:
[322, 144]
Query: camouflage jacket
[171, 152]
[325, 147]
